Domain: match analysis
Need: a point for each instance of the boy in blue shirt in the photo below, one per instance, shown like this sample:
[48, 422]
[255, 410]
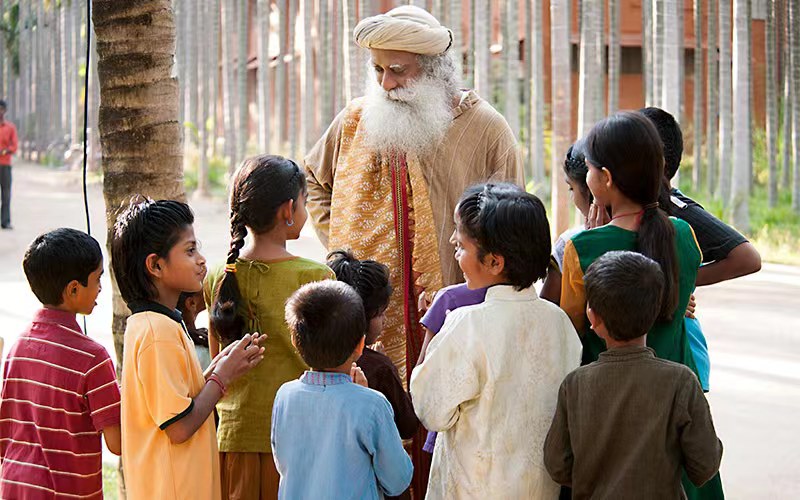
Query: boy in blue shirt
[332, 437]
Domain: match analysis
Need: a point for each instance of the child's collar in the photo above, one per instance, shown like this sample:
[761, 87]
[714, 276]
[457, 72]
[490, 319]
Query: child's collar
[138, 306]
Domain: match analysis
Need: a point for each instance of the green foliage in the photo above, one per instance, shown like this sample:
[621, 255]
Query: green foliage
[110, 480]
[9, 25]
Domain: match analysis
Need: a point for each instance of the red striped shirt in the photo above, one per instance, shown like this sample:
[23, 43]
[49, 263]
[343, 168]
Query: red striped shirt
[59, 392]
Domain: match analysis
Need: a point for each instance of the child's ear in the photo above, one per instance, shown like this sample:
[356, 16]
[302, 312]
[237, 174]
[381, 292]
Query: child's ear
[70, 291]
[287, 209]
[595, 321]
[608, 182]
[360, 347]
[496, 264]
[153, 265]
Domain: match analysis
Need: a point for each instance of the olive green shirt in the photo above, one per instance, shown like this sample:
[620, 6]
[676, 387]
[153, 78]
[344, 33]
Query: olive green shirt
[245, 413]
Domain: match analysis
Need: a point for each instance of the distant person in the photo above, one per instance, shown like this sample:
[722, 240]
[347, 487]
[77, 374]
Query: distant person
[60, 394]
[8, 147]
[628, 424]
[332, 436]
[190, 305]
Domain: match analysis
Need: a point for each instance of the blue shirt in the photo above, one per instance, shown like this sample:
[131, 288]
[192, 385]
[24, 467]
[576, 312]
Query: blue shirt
[332, 438]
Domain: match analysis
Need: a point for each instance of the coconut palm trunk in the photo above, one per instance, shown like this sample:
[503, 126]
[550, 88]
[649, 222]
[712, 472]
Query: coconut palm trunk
[697, 111]
[794, 21]
[139, 112]
[712, 98]
[742, 153]
[309, 131]
[786, 101]
[241, 78]
[481, 23]
[511, 66]
[772, 102]
[589, 86]
[228, 84]
[264, 82]
[203, 43]
[536, 89]
[647, 50]
[614, 55]
[725, 111]
[561, 72]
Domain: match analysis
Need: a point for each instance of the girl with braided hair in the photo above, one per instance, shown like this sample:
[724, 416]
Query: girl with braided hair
[248, 294]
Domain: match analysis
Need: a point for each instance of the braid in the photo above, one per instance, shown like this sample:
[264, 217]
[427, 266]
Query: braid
[238, 234]
[225, 317]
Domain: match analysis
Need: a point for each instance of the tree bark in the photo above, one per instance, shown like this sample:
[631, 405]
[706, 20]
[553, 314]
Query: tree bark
[292, 129]
[560, 28]
[742, 154]
[353, 52]
[309, 124]
[481, 23]
[228, 98]
[202, 48]
[511, 59]
[658, 50]
[280, 76]
[455, 9]
[215, 73]
[536, 114]
[241, 77]
[672, 45]
[614, 56]
[725, 115]
[712, 98]
[139, 113]
[589, 90]
[58, 72]
[794, 21]
[697, 112]
[264, 83]
[647, 51]
[772, 103]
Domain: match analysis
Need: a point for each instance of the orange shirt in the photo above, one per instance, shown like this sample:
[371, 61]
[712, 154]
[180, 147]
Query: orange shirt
[8, 140]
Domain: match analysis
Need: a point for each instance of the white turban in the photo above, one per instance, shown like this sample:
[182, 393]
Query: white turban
[407, 29]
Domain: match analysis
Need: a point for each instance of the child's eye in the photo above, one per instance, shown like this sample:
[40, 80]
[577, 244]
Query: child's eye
[378, 69]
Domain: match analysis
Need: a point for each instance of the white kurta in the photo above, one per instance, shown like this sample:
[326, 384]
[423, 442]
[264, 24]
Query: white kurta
[489, 386]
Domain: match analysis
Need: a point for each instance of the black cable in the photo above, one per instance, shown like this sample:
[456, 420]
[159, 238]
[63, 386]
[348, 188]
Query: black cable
[86, 124]
[86, 112]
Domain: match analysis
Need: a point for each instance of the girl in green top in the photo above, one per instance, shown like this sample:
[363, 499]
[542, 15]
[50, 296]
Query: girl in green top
[626, 163]
[248, 294]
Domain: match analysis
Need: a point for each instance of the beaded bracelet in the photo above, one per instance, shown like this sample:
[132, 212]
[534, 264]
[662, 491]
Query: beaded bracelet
[214, 378]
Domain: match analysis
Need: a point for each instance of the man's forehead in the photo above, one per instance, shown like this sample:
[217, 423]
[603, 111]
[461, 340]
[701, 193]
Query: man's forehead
[392, 58]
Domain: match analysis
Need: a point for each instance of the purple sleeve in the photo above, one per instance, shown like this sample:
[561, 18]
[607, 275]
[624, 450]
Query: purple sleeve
[436, 314]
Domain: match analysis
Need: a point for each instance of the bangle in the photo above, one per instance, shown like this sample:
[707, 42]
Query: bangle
[214, 378]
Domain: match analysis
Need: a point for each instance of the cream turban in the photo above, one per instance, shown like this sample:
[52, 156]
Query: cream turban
[407, 29]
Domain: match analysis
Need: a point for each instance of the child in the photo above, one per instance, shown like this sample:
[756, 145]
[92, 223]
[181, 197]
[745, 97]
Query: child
[168, 444]
[625, 160]
[488, 383]
[60, 390]
[627, 424]
[331, 437]
[268, 203]
[371, 280]
[725, 252]
[575, 170]
[190, 305]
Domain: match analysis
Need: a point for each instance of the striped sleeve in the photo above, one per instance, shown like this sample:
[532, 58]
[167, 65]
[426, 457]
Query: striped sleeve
[102, 394]
[573, 293]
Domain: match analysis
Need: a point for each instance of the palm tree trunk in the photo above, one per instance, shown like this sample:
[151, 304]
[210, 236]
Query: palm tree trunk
[69, 63]
[725, 116]
[280, 75]
[309, 126]
[589, 87]
[614, 56]
[202, 48]
[58, 69]
[772, 103]
[353, 52]
[342, 41]
[647, 50]
[215, 70]
[697, 112]
[672, 44]
[511, 59]
[3, 86]
[325, 60]
[712, 98]
[193, 36]
[561, 85]
[536, 114]
[264, 97]
[794, 22]
[180, 54]
[149, 101]
[229, 102]
[241, 76]
[786, 101]
[658, 50]
[455, 8]
[291, 69]
[742, 154]
[481, 23]
[77, 81]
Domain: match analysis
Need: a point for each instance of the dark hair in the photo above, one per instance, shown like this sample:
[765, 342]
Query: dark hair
[627, 145]
[145, 227]
[625, 290]
[505, 220]
[671, 138]
[326, 320]
[575, 168]
[3, 104]
[183, 298]
[368, 277]
[258, 189]
[56, 258]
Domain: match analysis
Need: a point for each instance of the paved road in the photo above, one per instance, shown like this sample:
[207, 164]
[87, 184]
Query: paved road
[752, 326]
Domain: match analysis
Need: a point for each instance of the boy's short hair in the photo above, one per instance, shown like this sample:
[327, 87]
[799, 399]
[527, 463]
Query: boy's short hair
[624, 289]
[3, 104]
[56, 258]
[145, 227]
[505, 220]
[671, 138]
[369, 278]
[326, 320]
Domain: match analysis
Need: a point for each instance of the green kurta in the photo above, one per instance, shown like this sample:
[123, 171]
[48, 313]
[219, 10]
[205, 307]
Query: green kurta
[245, 413]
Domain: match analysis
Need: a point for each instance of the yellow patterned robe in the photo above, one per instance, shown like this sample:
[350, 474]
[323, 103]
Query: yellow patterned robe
[351, 201]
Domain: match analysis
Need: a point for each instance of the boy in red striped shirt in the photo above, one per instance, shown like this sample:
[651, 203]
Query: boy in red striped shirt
[60, 390]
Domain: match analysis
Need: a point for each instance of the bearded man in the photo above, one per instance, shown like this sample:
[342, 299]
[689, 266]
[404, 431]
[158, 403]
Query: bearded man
[386, 176]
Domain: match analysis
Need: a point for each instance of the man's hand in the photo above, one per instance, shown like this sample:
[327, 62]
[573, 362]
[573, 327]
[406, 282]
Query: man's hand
[691, 307]
[358, 376]
[239, 358]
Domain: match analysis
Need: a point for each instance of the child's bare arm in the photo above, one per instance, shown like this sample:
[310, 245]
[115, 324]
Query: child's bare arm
[551, 290]
[428, 336]
[741, 261]
[113, 438]
[213, 343]
[232, 364]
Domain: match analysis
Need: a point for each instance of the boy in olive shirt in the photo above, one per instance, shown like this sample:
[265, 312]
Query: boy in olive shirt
[627, 425]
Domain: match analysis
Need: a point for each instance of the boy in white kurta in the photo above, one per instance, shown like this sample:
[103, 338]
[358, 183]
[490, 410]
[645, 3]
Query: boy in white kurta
[489, 381]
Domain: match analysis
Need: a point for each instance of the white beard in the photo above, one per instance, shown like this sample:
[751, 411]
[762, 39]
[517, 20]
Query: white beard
[413, 120]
